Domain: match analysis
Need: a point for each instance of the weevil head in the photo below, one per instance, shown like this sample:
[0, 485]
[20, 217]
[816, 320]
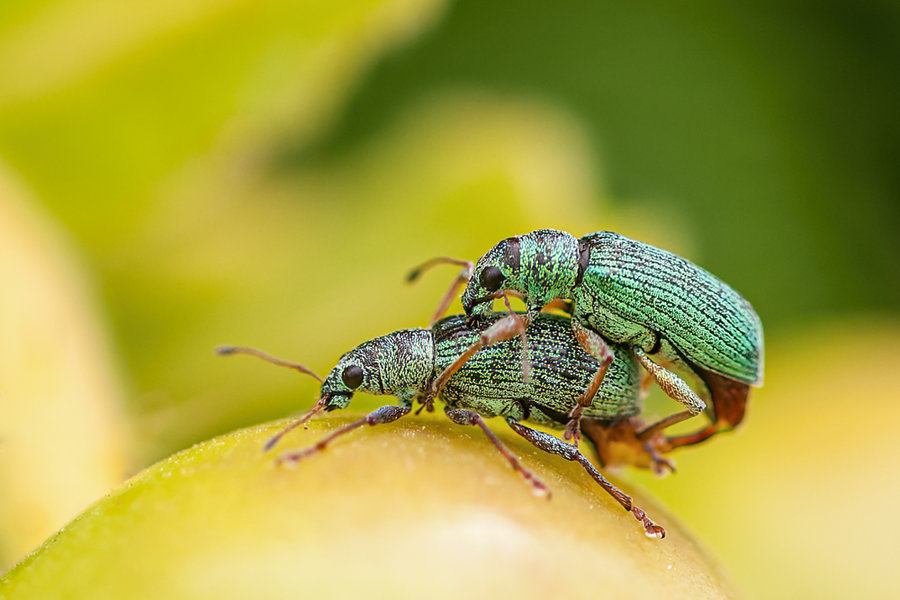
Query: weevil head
[540, 266]
[398, 364]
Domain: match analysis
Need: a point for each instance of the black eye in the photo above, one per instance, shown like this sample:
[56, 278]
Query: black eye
[491, 279]
[352, 376]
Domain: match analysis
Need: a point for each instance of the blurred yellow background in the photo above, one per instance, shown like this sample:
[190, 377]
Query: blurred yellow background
[175, 175]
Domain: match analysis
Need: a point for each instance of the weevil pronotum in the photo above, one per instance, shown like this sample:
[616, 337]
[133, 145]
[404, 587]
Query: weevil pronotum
[404, 363]
[677, 318]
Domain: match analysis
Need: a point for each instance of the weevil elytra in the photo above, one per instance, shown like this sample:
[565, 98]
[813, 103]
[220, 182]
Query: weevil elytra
[677, 318]
[404, 363]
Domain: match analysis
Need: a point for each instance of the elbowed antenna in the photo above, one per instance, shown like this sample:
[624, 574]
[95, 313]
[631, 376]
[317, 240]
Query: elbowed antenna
[320, 403]
[229, 350]
[461, 279]
[467, 266]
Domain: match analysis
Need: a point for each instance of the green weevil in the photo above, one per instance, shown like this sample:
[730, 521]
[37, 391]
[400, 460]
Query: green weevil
[677, 318]
[404, 363]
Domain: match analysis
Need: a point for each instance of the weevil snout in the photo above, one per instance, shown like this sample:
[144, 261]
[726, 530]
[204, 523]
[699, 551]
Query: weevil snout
[335, 400]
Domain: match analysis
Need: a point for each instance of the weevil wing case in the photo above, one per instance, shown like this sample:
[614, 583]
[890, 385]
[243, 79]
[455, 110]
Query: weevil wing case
[630, 287]
[492, 383]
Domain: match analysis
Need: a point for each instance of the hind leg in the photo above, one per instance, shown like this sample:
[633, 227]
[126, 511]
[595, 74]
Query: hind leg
[554, 445]
[676, 388]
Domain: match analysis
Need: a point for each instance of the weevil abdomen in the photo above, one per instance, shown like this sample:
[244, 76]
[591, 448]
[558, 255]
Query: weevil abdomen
[634, 293]
[491, 381]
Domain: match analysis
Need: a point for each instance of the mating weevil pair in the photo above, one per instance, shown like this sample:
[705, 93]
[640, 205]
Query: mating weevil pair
[629, 302]
[675, 317]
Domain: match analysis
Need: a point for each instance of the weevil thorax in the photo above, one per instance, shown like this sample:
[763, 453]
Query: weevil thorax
[397, 364]
[549, 266]
[541, 265]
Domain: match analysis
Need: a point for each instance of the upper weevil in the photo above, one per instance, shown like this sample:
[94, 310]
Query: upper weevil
[674, 315]
[404, 364]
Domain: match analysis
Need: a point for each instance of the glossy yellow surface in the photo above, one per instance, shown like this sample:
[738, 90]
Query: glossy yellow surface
[418, 508]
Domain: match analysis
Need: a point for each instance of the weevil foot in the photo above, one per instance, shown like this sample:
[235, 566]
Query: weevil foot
[664, 466]
[651, 529]
[538, 487]
[573, 427]
[426, 402]
[291, 459]
[660, 464]
[573, 431]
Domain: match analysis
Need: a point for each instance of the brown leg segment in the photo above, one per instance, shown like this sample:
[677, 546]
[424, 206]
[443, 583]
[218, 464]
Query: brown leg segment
[506, 328]
[461, 416]
[675, 388]
[596, 347]
[617, 443]
[554, 445]
[379, 416]
[729, 400]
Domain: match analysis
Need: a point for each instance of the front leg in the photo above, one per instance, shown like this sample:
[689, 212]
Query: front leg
[554, 445]
[597, 347]
[504, 329]
[379, 416]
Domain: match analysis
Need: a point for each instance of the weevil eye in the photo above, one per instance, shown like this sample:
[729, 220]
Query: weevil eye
[352, 376]
[491, 279]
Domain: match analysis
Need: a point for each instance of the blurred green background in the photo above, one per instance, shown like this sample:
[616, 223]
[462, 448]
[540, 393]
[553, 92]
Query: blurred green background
[177, 175]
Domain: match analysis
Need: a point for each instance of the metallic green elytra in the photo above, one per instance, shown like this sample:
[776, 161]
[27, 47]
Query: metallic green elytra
[674, 314]
[404, 364]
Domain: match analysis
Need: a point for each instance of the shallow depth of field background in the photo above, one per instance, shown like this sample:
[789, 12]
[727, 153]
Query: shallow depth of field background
[177, 175]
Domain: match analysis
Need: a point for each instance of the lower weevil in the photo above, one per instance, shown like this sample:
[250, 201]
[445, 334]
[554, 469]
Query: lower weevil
[404, 364]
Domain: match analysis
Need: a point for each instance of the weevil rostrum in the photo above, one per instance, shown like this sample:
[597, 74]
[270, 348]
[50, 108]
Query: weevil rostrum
[404, 364]
[678, 320]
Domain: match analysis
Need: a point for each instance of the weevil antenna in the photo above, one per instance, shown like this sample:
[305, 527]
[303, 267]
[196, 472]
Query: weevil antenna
[320, 404]
[229, 350]
[467, 265]
[453, 290]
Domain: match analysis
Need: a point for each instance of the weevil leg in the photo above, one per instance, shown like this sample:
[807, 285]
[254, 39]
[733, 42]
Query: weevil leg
[554, 445]
[464, 275]
[503, 329]
[693, 438]
[659, 463]
[729, 401]
[646, 382]
[675, 388]
[617, 443]
[461, 416]
[525, 321]
[597, 347]
[379, 416]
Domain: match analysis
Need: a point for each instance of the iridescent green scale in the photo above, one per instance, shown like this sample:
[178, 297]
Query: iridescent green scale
[635, 292]
[491, 381]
